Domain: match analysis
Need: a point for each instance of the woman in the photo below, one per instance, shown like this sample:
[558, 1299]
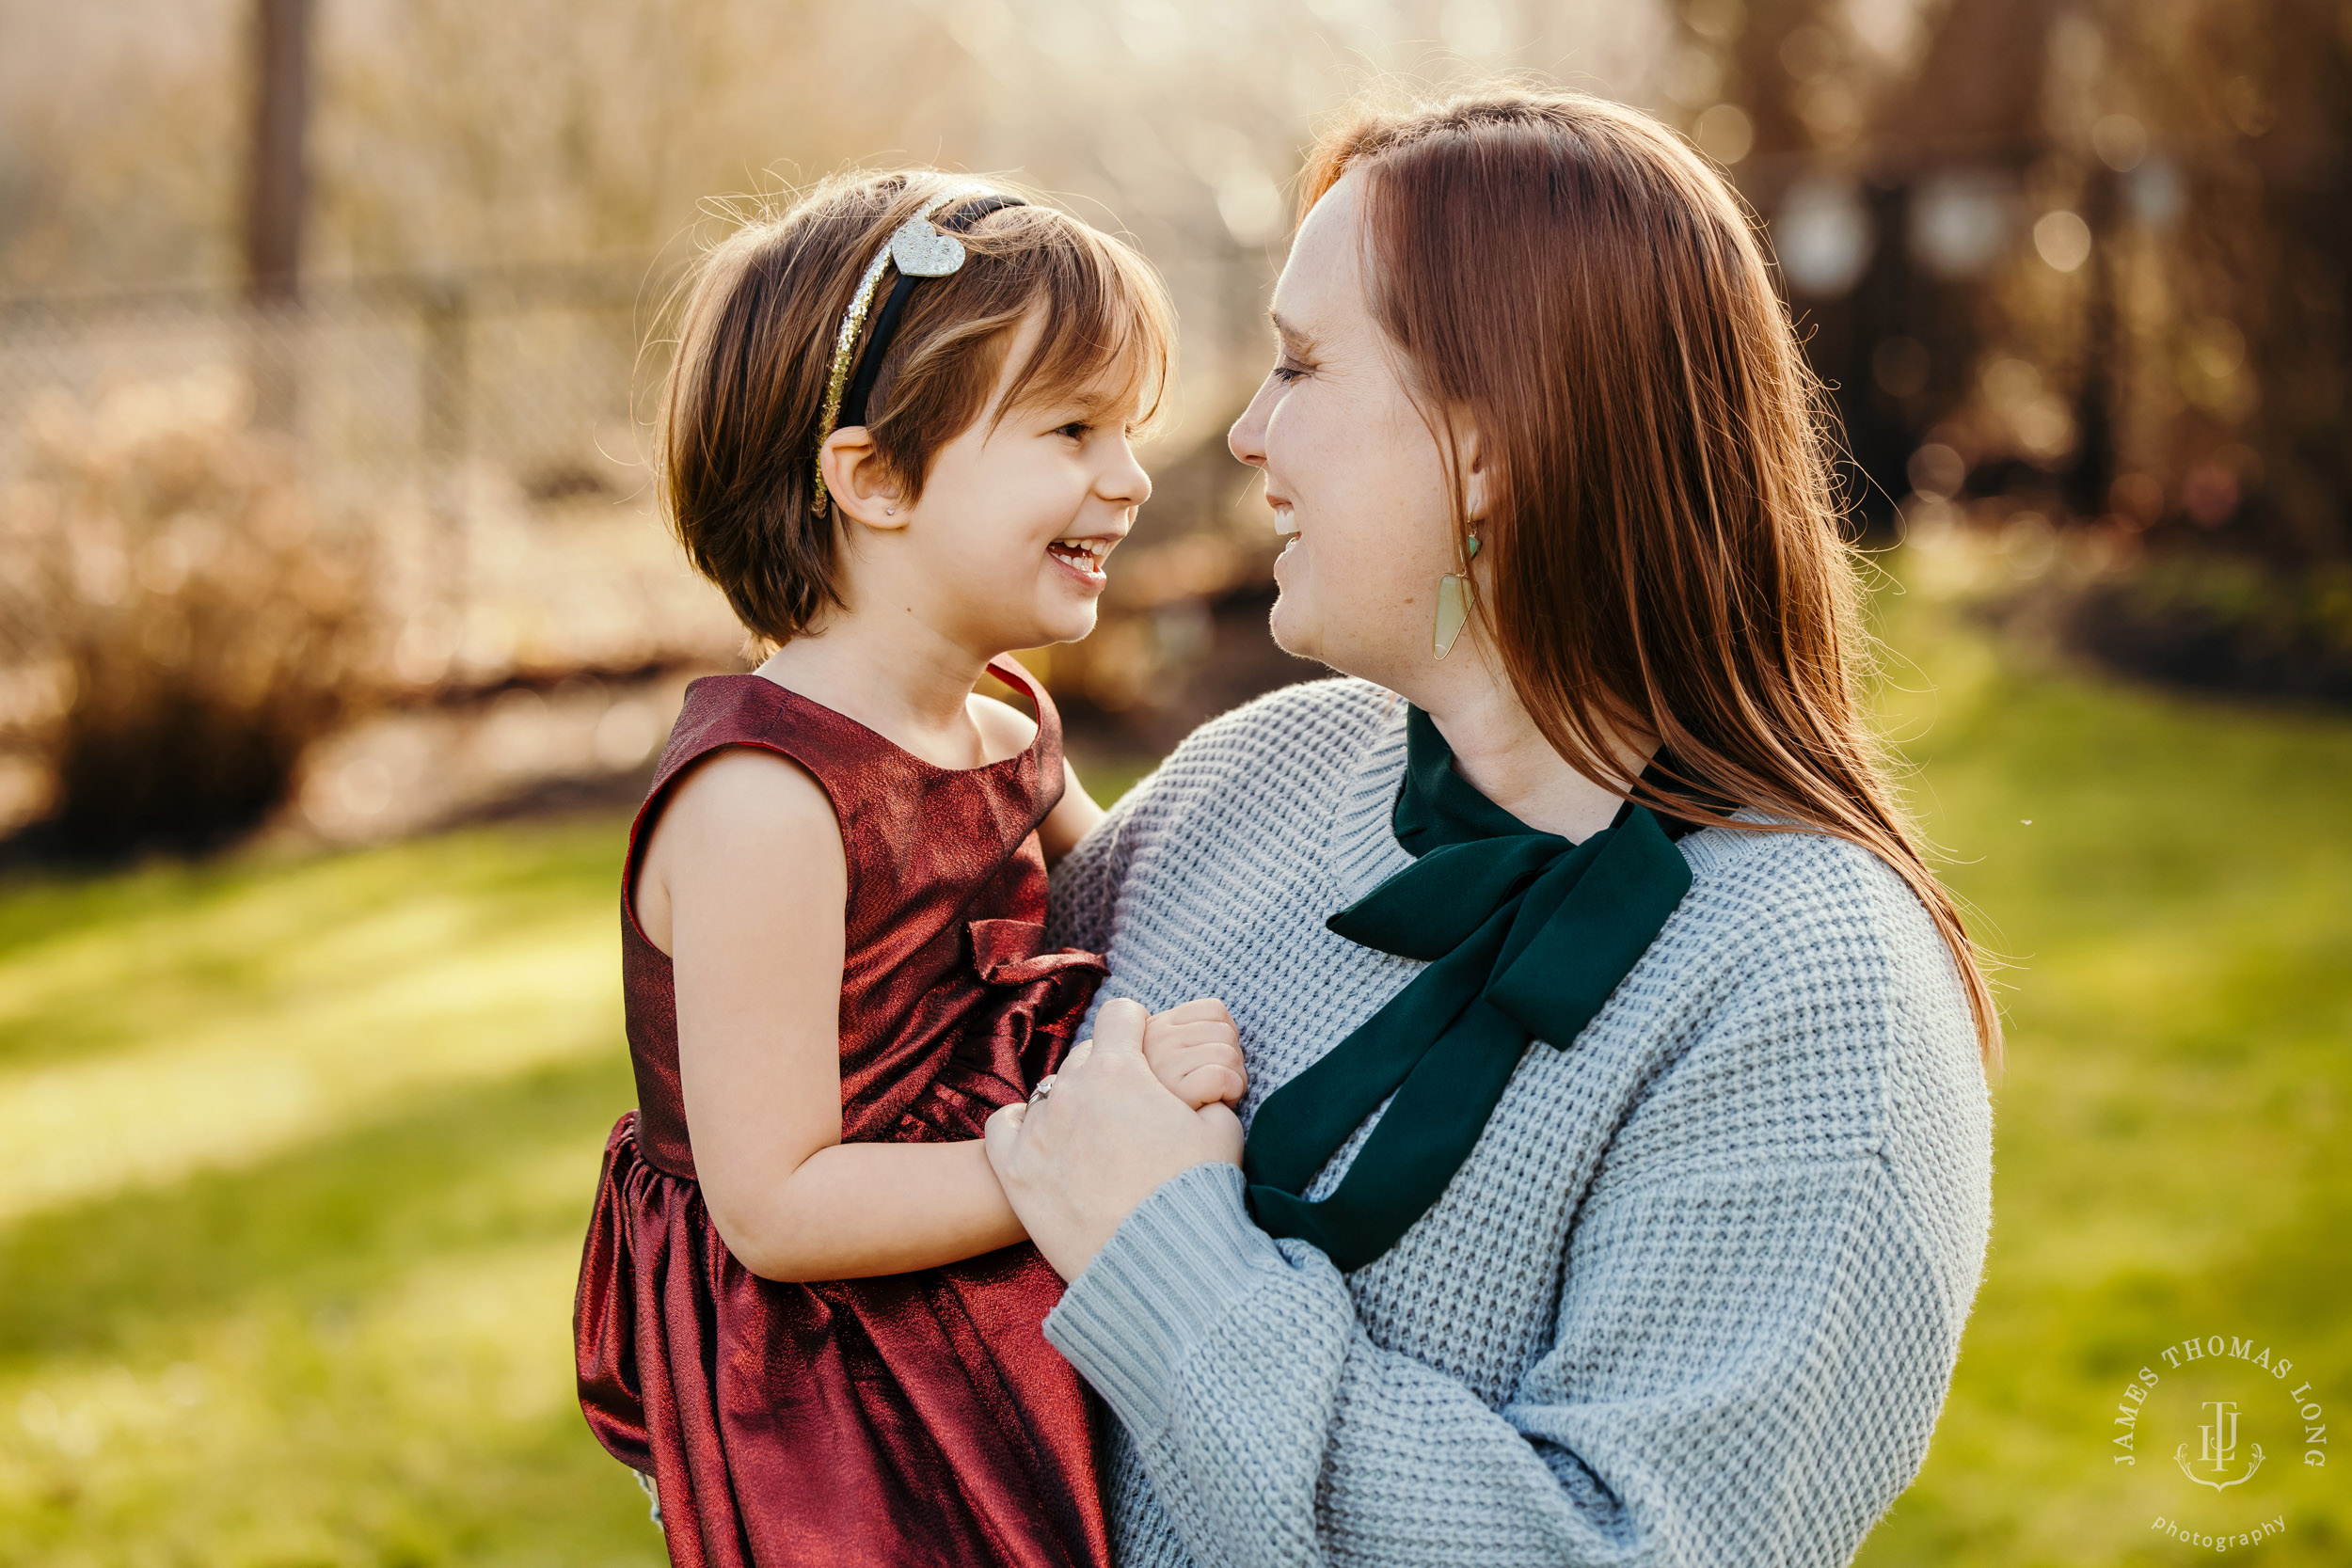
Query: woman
[1661, 1251]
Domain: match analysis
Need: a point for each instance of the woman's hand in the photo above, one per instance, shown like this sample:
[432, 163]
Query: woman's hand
[1076, 1164]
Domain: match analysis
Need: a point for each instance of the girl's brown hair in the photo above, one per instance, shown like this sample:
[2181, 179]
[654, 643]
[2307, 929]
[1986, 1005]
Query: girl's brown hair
[736, 432]
[1663, 544]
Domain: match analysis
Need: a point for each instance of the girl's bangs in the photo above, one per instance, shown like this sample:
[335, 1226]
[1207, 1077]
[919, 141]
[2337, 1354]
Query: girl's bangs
[1109, 344]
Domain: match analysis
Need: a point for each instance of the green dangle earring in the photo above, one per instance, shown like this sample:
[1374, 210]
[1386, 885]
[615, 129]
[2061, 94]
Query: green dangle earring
[1453, 602]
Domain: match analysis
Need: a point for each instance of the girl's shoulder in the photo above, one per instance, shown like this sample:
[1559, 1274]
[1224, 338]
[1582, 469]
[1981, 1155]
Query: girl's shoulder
[855, 763]
[883, 797]
[1005, 730]
[750, 710]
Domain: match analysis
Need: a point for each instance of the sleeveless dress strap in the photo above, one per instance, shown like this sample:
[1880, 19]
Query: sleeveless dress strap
[1048, 742]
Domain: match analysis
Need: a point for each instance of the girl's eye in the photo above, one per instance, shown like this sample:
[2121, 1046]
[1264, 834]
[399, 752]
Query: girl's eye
[1077, 430]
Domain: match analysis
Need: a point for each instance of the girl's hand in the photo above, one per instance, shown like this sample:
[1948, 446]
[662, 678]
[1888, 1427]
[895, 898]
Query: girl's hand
[1195, 1050]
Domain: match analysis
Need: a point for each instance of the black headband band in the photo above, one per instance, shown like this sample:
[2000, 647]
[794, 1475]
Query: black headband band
[869, 359]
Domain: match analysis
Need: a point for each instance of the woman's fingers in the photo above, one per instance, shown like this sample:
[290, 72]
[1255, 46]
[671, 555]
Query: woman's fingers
[1117, 1030]
[1121, 1024]
[1000, 1134]
[1076, 1164]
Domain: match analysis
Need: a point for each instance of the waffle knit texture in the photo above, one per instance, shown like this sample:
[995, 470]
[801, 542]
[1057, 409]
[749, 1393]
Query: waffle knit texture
[1695, 1298]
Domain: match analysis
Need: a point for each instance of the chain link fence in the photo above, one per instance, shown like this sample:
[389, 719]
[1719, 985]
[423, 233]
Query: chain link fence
[229, 530]
[382, 381]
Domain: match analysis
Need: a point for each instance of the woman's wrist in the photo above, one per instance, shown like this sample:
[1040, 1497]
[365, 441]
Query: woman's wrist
[1174, 1268]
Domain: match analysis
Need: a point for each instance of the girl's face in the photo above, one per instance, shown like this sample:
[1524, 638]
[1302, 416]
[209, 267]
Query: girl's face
[1353, 471]
[1017, 517]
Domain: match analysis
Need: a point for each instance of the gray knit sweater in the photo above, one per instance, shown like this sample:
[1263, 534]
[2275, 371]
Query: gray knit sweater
[1694, 1298]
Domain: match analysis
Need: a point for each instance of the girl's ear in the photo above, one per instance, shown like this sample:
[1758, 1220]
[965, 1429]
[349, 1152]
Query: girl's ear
[857, 481]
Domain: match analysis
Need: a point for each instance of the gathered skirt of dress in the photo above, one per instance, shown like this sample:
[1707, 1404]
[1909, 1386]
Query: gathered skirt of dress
[916, 1418]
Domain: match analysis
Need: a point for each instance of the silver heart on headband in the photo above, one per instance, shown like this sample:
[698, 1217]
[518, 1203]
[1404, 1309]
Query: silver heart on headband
[920, 250]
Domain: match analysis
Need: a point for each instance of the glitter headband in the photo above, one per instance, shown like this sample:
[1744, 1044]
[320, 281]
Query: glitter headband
[920, 250]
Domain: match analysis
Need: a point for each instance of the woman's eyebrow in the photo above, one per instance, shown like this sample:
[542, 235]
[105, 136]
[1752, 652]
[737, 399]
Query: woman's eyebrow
[1294, 338]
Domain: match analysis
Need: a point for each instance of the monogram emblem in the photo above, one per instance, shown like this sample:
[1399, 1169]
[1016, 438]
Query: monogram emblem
[2216, 1448]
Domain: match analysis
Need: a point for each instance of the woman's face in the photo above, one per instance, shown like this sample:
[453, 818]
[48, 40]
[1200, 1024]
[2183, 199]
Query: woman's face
[1353, 471]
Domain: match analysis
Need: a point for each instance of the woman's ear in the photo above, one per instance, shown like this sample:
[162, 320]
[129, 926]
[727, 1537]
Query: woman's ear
[858, 482]
[1477, 475]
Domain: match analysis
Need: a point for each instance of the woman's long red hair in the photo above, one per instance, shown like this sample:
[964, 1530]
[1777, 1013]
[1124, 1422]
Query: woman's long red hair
[1664, 553]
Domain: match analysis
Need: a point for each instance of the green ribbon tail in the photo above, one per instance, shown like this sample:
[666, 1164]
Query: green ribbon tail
[1561, 925]
[1577, 956]
[1429, 1128]
[1302, 1124]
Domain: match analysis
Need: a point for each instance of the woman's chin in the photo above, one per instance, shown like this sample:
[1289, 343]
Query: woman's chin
[1292, 630]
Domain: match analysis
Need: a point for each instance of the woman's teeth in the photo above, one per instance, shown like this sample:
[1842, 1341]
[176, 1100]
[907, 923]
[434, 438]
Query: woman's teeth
[1085, 554]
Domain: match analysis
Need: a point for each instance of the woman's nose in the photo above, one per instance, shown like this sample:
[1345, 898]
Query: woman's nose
[1246, 439]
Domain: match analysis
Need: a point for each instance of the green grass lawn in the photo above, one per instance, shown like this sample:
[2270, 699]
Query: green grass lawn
[298, 1154]
[2172, 882]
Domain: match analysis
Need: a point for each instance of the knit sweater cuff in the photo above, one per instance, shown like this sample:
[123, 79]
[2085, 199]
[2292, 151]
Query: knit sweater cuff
[1176, 1265]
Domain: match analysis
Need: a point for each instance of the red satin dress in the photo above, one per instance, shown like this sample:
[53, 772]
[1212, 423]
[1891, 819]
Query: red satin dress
[911, 1418]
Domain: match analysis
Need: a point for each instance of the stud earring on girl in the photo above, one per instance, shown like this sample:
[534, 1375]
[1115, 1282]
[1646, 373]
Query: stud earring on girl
[1453, 602]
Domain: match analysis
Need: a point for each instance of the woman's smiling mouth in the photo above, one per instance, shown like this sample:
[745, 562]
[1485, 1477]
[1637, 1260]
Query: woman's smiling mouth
[1285, 519]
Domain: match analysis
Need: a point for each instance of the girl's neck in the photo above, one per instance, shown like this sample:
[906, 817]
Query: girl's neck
[905, 681]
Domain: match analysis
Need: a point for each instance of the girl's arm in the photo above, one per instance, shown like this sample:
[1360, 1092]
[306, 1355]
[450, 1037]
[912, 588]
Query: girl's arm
[1069, 821]
[743, 884]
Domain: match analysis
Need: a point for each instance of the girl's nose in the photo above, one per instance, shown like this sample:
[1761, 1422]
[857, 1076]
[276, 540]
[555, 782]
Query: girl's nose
[1127, 482]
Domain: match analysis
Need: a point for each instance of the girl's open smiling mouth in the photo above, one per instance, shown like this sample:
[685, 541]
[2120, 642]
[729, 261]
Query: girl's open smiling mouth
[1084, 558]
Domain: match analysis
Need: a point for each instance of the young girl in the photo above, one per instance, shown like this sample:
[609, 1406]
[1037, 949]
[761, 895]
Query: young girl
[895, 434]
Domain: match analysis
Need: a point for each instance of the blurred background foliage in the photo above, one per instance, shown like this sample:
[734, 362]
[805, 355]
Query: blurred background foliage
[327, 331]
[2075, 270]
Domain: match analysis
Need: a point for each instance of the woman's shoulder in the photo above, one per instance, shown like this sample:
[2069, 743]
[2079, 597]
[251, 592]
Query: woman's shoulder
[1809, 908]
[1234, 804]
[1793, 914]
[1274, 763]
[1281, 718]
[1815, 1002]
[1815, 1013]
[1299, 733]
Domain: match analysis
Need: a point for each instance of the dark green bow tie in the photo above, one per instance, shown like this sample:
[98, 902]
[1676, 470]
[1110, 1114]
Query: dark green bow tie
[1525, 934]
